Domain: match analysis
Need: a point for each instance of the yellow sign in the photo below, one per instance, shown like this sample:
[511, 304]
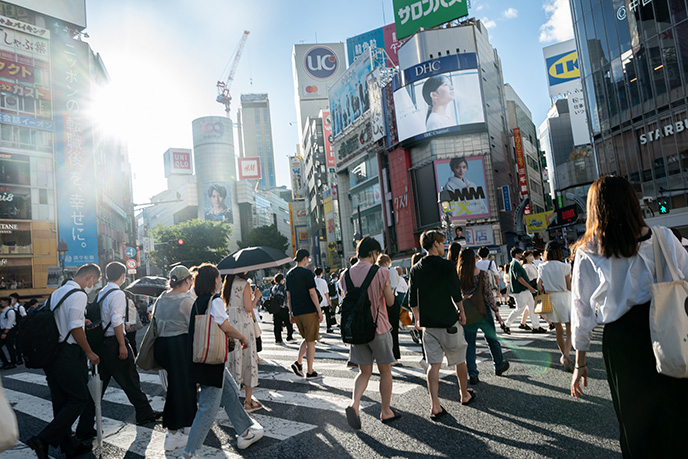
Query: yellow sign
[563, 67]
[539, 222]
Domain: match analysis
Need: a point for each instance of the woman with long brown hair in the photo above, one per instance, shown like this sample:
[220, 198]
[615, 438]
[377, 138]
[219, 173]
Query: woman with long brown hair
[477, 297]
[240, 299]
[613, 271]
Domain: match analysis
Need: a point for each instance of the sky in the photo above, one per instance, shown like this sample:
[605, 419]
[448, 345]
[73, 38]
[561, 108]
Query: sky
[164, 58]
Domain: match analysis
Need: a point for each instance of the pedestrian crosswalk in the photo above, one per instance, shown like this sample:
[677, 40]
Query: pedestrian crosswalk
[293, 405]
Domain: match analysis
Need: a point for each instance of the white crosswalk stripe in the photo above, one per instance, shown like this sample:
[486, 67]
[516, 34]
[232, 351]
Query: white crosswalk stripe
[280, 391]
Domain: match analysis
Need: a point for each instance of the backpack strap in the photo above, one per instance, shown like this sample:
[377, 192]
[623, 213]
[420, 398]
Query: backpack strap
[101, 299]
[369, 277]
[59, 303]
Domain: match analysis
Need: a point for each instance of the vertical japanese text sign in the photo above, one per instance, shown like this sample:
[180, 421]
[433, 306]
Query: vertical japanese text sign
[76, 194]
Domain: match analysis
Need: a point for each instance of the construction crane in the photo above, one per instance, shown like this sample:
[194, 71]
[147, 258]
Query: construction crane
[223, 87]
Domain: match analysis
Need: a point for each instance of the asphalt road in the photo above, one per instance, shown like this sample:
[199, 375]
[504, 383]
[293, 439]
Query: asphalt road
[526, 413]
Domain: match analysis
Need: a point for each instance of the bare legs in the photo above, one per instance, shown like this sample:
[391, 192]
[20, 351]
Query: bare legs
[361, 383]
[307, 349]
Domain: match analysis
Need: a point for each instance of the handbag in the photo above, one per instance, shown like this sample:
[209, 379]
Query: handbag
[146, 356]
[210, 344]
[474, 304]
[9, 431]
[668, 318]
[544, 304]
[256, 329]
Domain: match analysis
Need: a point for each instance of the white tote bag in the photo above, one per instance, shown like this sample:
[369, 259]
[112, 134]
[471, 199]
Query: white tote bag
[668, 313]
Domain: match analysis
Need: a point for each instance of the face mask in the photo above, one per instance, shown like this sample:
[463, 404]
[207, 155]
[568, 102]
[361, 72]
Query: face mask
[88, 290]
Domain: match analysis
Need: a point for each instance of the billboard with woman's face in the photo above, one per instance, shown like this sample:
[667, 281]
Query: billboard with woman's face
[466, 185]
[438, 96]
[217, 198]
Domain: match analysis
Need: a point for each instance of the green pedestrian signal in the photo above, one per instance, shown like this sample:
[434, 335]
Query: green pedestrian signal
[663, 207]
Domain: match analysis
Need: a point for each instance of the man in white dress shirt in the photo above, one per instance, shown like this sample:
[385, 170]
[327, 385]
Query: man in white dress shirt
[117, 357]
[8, 326]
[68, 375]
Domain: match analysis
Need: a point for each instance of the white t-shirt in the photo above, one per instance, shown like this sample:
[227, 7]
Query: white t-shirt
[393, 278]
[487, 265]
[553, 276]
[8, 318]
[218, 311]
[402, 286]
[321, 285]
[71, 314]
[531, 270]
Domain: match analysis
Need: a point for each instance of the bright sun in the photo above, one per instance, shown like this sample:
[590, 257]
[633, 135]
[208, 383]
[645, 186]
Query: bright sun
[109, 111]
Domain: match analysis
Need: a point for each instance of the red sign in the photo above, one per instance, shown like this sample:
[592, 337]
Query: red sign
[521, 162]
[249, 169]
[131, 264]
[181, 160]
[402, 198]
[327, 134]
[16, 71]
[392, 45]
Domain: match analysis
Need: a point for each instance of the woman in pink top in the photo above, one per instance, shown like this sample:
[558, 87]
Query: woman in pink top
[380, 348]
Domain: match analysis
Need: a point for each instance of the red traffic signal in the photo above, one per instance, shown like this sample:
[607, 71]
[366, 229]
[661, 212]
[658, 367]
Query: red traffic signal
[180, 241]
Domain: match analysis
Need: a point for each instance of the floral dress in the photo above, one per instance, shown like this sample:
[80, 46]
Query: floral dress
[242, 363]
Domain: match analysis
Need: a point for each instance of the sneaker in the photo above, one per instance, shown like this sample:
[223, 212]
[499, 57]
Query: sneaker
[297, 368]
[551, 326]
[290, 338]
[314, 375]
[189, 456]
[252, 436]
[501, 371]
[175, 440]
[539, 330]
[39, 447]
[524, 327]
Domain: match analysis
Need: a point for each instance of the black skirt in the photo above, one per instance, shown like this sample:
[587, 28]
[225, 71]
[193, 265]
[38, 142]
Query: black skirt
[651, 408]
[174, 355]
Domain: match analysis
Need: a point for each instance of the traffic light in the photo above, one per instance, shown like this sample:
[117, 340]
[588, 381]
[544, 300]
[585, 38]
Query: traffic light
[663, 206]
[180, 241]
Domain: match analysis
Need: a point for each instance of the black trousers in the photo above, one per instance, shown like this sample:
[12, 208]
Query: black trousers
[282, 318]
[329, 316]
[8, 342]
[174, 355]
[131, 337]
[651, 408]
[124, 372]
[393, 315]
[67, 378]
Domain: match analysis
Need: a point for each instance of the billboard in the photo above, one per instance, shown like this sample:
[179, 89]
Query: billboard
[410, 15]
[520, 162]
[349, 95]
[249, 169]
[402, 198]
[479, 236]
[578, 116]
[464, 179]
[382, 37]
[561, 63]
[298, 184]
[75, 169]
[177, 162]
[376, 111]
[427, 104]
[217, 202]
[389, 113]
[315, 68]
[540, 221]
[71, 11]
[328, 138]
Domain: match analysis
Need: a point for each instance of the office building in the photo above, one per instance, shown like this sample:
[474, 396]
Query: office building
[256, 135]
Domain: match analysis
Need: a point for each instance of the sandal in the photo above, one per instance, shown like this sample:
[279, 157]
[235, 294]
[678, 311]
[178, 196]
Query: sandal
[505, 329]
[436, 417]
[567, 363]
[253, 405]
[470, 400]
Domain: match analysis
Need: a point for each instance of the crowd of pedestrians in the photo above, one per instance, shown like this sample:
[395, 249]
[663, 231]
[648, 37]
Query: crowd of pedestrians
[451, 292]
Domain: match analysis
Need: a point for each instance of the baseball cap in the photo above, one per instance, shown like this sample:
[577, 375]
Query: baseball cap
[179, 273]
[301, 254]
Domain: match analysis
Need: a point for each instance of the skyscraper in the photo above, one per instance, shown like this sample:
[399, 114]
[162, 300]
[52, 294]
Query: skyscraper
[257, 135]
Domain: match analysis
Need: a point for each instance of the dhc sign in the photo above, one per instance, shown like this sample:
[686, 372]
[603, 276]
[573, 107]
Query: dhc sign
[666, 131]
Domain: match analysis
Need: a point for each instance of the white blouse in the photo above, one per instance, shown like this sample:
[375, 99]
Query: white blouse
[604, 289]
[553, 276]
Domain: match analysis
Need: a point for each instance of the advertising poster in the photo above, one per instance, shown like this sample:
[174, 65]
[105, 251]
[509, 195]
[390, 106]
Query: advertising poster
[316, 67]
[410, 15]
[439, 96]
[539, 222]
[297, 182]
[391, 132]
[464, 179]
[392, 44]
[479, 236]
[561, 63]
[328, 138]
[217, 202]
[358, 45]
[75, 169]
[177, 162]
[349, 94]
[376, 112]
[579, 117]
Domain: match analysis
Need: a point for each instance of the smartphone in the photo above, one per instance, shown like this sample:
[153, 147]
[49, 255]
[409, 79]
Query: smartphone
[452, 330]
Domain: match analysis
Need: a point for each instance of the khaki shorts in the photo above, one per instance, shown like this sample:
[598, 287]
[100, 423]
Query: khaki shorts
[309, 326]
[378, 350]
[437, 343]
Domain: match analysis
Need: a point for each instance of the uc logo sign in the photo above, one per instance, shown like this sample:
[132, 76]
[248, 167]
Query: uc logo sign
[320, 62]
[563, 68]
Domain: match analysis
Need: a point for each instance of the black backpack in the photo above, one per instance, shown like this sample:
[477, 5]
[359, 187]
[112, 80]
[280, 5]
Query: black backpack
[333, 289]
[39, 336]
[95, 332]
[358, 326]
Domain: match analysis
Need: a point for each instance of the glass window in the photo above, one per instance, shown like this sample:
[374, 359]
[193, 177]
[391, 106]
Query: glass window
[15, 277]
[600, 34]
[15, 203]
[645, 18]
[366, 197]
[14, 170]
[610, 26]
[592, 104]
[622, 26]
[372, 223]
[678, 10]
[671, 69]
[618, 83]
[592, 44]
[15, 241]
[657, 71]
[644, 81]
[631, 155]
[682, 40]
[620, 154]
[362, 171]
[661, 14]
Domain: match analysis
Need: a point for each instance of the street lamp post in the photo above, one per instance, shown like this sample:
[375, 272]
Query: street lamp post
[62, 250]
[444, 199]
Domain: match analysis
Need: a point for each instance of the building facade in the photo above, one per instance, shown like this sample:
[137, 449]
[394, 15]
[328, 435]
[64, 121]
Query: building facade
[634, 67]
[256, 135]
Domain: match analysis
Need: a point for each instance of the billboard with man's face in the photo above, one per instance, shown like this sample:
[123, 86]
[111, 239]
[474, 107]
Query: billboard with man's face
[438, 96]
[217, 199]
[464, 180]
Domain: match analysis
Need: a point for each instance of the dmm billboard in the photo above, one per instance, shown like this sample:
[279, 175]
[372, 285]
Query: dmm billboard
[464, 179]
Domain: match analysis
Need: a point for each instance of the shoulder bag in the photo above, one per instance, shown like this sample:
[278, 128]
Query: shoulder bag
[474, 304]
[146, 356]
[210, 343]
[668, 318]
[543, 304]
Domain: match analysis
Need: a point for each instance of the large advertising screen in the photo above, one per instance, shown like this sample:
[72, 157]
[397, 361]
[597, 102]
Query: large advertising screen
[217, 202]
[349, 94]
[464, 179]
[439, 96]
[410, 15]
[382, 37]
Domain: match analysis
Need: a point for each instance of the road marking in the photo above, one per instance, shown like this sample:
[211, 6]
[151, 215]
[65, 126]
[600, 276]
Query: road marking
[20, 451]
[131, 438]
[333, 382]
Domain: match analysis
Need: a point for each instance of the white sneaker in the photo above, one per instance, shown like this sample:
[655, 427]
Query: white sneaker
[250, 438]
[175, 440]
